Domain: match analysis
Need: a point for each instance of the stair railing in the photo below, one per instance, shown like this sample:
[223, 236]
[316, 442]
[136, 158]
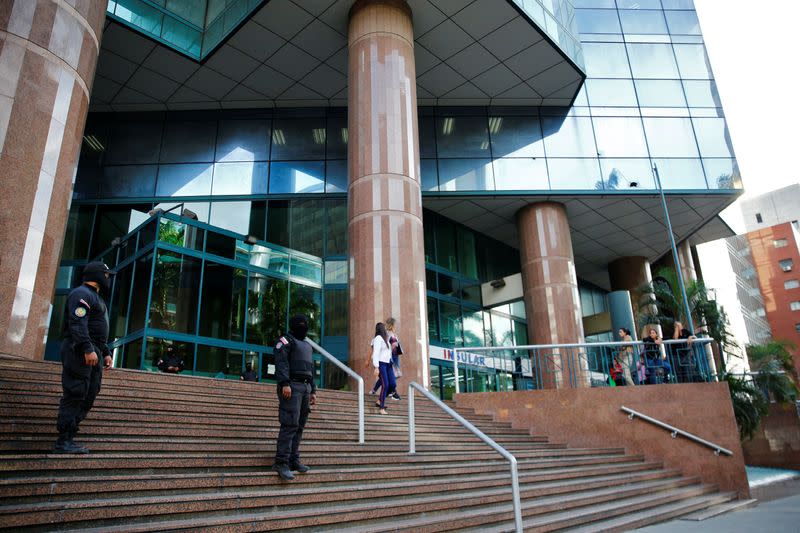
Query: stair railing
[350, 372]
[675, 431]
[477, 432]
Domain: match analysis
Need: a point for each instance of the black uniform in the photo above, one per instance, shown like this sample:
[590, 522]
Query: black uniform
[85, 331]
[294, 366]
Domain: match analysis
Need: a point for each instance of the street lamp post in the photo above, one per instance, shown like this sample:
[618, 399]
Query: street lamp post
[677, 260]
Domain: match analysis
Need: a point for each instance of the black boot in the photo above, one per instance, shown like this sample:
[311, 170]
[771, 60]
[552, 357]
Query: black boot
[297, 466]
[283, 470]
[65, 444]
[78, 444]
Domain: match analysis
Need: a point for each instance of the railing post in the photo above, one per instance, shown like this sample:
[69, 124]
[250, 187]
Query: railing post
[412, 444]
[361, 410]
[515, 495]
[455, 369]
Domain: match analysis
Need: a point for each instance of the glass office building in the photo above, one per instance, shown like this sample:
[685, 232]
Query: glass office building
[257, 121]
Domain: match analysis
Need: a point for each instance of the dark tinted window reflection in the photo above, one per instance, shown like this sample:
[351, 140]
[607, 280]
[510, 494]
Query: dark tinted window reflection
[243, 140]
[298, 138]
[134, 142]
[222, 304]
[278, 222]
[297, 177]
[184, 180]
[460, 136]
[266, 309]
[176, 285]
[189, 142]
[338, 137]
[307, 301]
[336, 176]
[516, 136]
[128, 181]
[307, 223]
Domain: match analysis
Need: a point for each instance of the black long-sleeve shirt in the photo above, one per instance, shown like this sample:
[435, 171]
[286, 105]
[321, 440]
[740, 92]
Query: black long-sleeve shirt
[86, 321]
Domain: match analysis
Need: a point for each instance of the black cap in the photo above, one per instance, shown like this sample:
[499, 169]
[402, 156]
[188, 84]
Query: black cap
[97, 267]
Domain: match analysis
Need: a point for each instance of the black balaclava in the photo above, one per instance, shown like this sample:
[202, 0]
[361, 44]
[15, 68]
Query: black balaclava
[298, 326]
[96, 272]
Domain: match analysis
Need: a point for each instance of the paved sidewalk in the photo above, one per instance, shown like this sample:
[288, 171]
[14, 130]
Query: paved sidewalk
[776, 516]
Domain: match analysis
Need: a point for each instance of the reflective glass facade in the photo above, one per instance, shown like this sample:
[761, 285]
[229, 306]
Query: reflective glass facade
[192, 27]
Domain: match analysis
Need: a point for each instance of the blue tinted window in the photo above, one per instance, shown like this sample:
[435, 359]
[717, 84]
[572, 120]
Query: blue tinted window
[240, 178]
[683, 22]
[681, 174]
[678, 4]
[574, 174]
[597, 21]
[693, 61]
[184, 180]
[568, 137]
[427, 137]
[639, 4]
[623, 174]
[643, 22]
[606, 60]
[652, 61]
[660, 93]
[297, 177]
[611, 93]
[619, 137]
[134, 142]
[243, 140]
[188, 142]
[236, 217]
[713, 137]
[670, 137]
[594, 3]
[516, 136]
[521, 174]
[128, 181]
[336, 176]
[702, 93]
[465, 175]
[338, 137]
[722, 173]
[298, 138]
[458, 136]
[430, 175]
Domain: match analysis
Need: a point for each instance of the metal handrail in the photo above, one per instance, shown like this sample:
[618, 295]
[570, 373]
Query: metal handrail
[477, 432]
[349, 371]
[675, 431]
[615, 344]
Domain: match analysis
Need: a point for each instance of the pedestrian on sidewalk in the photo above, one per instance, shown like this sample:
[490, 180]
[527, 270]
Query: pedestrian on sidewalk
[397, 351]
[85, 336]
[294, 372]
[382, 364]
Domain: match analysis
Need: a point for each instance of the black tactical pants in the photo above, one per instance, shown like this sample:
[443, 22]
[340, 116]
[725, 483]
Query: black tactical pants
[293, 414]
[80, 384]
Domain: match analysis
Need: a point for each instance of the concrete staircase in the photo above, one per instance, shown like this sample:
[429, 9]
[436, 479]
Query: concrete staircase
[186, 453]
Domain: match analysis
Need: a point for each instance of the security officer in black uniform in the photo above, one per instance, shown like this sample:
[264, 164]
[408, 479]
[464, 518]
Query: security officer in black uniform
[85, 336]
[294, 371]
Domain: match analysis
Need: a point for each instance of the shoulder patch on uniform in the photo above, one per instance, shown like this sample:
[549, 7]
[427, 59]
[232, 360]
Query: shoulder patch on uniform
[80, 312]
[86, 304]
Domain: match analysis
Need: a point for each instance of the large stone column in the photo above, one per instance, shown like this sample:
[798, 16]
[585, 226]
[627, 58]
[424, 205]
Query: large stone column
[630, 273]
[48, 54]
[387, 256]
[550, 290]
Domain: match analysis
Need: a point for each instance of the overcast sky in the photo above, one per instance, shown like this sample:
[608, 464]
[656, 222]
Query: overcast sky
[755, 52]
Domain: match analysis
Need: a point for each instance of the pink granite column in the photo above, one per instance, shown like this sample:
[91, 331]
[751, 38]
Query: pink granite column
[630, 273]
[387, 256]
[550, 290]
[48, 53]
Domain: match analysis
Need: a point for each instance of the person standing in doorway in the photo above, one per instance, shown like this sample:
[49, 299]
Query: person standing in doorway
[294, 372]
[84, 343]
[382, 364]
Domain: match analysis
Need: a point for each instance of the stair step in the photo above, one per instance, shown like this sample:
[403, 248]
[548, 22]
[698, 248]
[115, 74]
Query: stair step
[193, 453]
[36, 487]
[717, 510]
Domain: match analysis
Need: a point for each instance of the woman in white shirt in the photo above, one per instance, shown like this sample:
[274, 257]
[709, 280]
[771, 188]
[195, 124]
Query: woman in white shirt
[382, 363]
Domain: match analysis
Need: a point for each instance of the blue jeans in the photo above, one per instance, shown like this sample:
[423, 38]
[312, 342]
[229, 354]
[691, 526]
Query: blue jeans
[387, 380]
[395, 367]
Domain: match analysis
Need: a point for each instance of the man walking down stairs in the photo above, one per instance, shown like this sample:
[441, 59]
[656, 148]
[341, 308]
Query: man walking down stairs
[183, 453]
